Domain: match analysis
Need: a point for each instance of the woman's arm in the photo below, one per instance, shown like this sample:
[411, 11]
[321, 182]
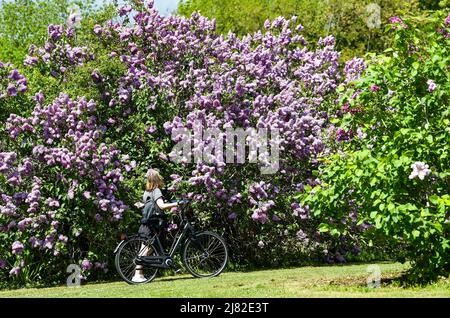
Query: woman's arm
[163, 206]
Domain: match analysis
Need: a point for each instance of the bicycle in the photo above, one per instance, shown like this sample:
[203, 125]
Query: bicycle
[204, 253]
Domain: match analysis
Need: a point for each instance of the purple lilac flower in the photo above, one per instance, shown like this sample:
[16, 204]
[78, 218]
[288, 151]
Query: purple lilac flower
[14, 75]
[39, 97]
[86, 264]
[35, 242]
[299, 211]
[125, 10]
[375, 88]
[447, 20]
[2, 263]
[48, 242]
[302, 237]
[30, 60]
[11, 90]
[96, 77]
[353, 69]
[70, 194]
[53, 203]
[63, 238]
[55, 31]
[17, 247]
[342, 135]
[98, 29]
[150, 129]
[232, 216]
[431, 86]
[395, 20]
[15, 271]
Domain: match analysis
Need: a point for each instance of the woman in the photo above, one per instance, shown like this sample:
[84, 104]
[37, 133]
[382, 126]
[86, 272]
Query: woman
[152, 191]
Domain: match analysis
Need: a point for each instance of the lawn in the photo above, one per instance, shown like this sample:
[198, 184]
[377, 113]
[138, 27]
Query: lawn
[320, 281]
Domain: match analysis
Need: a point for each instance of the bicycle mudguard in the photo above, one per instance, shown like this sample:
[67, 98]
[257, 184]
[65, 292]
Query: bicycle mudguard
[118, 245]
[123, 241]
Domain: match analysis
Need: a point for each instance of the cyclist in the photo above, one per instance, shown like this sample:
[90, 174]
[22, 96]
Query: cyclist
[152, 191]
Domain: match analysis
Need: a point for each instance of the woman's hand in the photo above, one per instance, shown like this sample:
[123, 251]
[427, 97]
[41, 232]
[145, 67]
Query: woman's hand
[183, 201]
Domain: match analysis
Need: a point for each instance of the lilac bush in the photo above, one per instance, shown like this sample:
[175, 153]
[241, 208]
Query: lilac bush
[272, 78]
[59, 165]
[13, 87]
[103, 110]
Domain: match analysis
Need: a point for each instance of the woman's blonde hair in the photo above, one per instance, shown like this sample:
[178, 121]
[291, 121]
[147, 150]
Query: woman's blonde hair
[154, 180]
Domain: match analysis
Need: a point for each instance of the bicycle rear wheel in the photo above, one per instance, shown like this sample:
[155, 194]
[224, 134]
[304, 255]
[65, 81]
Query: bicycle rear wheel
[125, 260]
[205, 255]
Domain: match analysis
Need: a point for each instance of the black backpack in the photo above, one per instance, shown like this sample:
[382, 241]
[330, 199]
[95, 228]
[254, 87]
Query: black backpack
[150, 211]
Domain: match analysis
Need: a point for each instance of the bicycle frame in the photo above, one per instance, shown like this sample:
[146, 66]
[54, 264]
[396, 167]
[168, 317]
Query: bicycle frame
[186, 230]
[164, 260]
[148, 250]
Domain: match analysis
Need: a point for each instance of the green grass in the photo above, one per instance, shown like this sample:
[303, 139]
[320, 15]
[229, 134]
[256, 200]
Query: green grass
[320, 281]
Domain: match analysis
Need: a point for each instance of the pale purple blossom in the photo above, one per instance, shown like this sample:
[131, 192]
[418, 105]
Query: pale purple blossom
[431, 86]
[15, 271]
[63, 238]
[86, 264]
[74, 19]
[150, 129]
[232, 216]
[17, 248]
[420, 170]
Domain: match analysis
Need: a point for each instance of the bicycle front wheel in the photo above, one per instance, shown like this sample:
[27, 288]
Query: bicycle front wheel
[205, 255]
[126, 257]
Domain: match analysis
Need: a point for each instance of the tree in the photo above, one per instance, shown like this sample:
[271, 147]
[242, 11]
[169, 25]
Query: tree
[357, 25]
[24, 22]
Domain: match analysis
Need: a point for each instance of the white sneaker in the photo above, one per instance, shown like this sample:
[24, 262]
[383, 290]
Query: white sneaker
[138, 279]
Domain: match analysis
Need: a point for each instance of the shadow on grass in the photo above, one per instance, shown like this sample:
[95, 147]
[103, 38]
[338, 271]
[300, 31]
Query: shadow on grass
[314, 265]
[173, 278]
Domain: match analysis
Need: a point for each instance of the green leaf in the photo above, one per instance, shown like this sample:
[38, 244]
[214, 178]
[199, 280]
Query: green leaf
[334, 232]
[391, 207]
[434, 199]
[324, 228]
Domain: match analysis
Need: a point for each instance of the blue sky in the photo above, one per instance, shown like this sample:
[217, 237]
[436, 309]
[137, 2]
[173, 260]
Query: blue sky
[166, 6]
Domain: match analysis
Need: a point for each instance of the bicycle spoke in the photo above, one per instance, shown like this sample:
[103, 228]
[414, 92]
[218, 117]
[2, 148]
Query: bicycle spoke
[206, 256]
[217, 245]
[125, 259]
[129, 271]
